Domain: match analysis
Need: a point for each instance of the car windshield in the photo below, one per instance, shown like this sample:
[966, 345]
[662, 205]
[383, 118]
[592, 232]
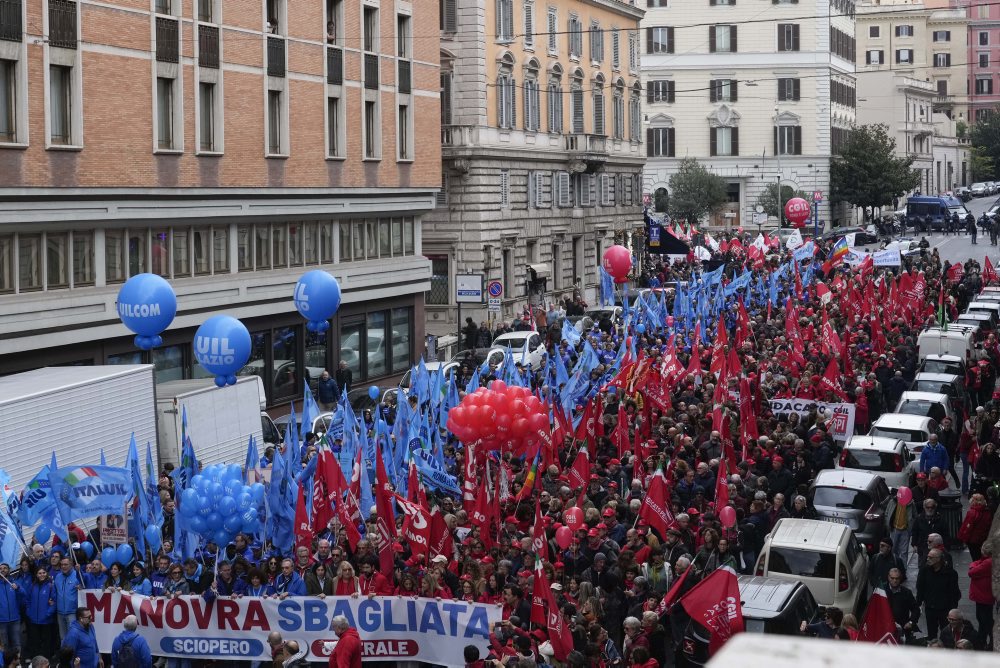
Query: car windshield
[926, 408]
[872, 460]
[842, 497]
[914, 436]
[803, 563]
[934, 387]
[941, 366]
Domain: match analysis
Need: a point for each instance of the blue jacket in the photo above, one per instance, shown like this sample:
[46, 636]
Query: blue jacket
[157, 581]
[66, 592]
[10, 603]
[293, 586]
[40, 603]
[236, 586]
[139, 647]
[141, 586]
[934, 456]
[94, 580]
[84, 644]
[327, 391]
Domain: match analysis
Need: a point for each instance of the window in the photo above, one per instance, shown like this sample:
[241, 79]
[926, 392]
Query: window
[575, 37]
[576, 103]
[202, 250]
[633, 52]
[788, 37]
[789, 90]
[137, 250]
[279, 243]
[635, 114]
[83, 258]
[401, 338]
[334, 146]
[505, 20]
[660, 91]
[616, 44]
[532, 103]
[181, 251]
[274, 144]
[563, 195]
[788, 139]
[875, 57]
[449, 16]
[164, 113]
[904, 31]
[372, 144]
[553, 26]
[725, 141]
[506, 101]
[942, 88]
[446, 99]
[984, 85]
[6, 263]
[873, 31]
[598, 100]
[904, 55]
[659, 40]
[160, 253]
[29, 262]
[618, 111]
[8, 101]
[403, 39]
[606, 186]
[555, 105]
[206, 10]
[162, 7]
[114, 256]
[206, 116]
[660, 142]
[984, 60]
[504, 188]
[403, 138]
[722, 39]
[60, 104]
[596, 42]
[942, 36]
[262, 246]
[942, 60]
[722, 90]
[984, 38]
[529, 24]
[57, 259]
[370, 37]
[537, 198]
[585, 187]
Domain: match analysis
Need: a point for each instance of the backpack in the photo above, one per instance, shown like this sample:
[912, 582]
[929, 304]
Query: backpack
[127, 656]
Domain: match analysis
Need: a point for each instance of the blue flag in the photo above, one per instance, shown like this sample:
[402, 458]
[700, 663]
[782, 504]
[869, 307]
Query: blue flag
[252, 462]
[152, 492]
[607, 289]
[11, 546]
[36, 499]
[310, 409]
[570, 334]
[138, 507]
[90, 491]
[432, 475]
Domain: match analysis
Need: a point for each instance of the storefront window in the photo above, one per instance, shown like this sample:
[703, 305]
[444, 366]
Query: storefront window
[350, 347]
[279, 238]
[401, 339]
[384, 248]
[315, 356]
[6, 263]
[168, 363]
[126, 358]
[397, 236]
[83, 258]
[408, 236]
[114, 256]
[371, 229]
[307, 248]
[376, 345]
[254, 365]
[262, 246]
[358, 238]
[220, 249]
[287, 381]
[326, 232]
[160, 255]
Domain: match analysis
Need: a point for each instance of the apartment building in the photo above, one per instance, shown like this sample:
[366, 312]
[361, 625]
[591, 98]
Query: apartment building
[229, 147]
[983, 56]
[757, 95]
[919, 41]
[542, 149]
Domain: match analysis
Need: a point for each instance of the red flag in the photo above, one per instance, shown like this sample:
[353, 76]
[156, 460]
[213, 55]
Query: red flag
[823, 293]
[413, 483]
[386, 524]
[655, 510]
[442, 541]
[878, 625]
[671, 596]
[322, 510]
[955, 272]
[719, 347]
[742, 324]
[715, 604]
[831, 380]
[579, 473]
[620, 435]
[722, 485]
[694, 368]
[733, 366]
[354, 491]
[560, 636]
[469, 483]
[416, 527]
[303, 530]
[866, 267]
[539, 544]
[587, 429]
[989, 273]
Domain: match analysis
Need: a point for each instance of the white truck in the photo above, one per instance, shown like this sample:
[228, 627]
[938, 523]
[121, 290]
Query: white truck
[220, 420]
[76, 411]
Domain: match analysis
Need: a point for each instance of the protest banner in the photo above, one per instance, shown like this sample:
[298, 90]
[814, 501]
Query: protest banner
[391, 627]
[113, 529]
[855, 256]
[804, 252]
[840, 415]
[888, 257]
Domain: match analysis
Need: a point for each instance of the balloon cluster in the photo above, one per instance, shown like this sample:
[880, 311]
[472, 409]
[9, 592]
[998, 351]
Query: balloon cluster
[317, 298]
[222, 346]
[147, 305]
[574, 522]
[122, 555]
[501, 417]
[217, 505]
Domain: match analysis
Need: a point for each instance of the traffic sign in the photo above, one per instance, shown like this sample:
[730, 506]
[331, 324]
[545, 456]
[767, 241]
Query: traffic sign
[495, 289]
[817, 195]
[494, 304]
[469, 288]
[759, 218]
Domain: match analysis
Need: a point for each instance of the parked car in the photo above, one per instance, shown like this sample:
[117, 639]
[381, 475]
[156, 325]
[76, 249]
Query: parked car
[320, 424]
[928, 404]
[914, 430]
[862, 236]
[612, 312]
[942, 383]
[978, 189]
[474, 357]
[886, 457]
[854, 498]
[949, 364]
[432, 367]
[963, 194]
[516, 342]
[824, 556]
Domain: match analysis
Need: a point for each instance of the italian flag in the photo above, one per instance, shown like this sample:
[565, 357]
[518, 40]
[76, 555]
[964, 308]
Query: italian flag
[77, 476]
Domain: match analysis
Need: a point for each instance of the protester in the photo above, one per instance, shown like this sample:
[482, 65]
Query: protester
[347, 653]
[82, 639]
[129, 647]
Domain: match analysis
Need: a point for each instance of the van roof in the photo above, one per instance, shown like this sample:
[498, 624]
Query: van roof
[933, 397]
[902, 420]
[938, 377]
[815, 535]
[952, 333]
[944, 358]
[764, 597]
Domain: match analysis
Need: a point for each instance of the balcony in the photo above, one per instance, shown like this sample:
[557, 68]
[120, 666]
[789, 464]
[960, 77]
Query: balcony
[10, 20]
[591, 149]
[276, 56]
[167, 46]
[334, 65]
[403, 76]
[371, 71]
[457, 136]
[62, 24]
[208, 46]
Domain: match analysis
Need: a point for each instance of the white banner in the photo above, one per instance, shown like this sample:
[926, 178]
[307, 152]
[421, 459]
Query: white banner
[804, 252]
[888, 257]
[840, 416]
[855, 256]
[227, 629]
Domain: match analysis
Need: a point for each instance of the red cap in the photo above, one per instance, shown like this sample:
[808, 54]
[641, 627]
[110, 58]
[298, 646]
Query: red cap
[778, 459]
[613, 485]
[921, 476]
[559, 564]
[592, 533]
[487, 559]
[396, 547]
[594, 477]
[609, 512]
[524, 574]
[511, 519]
[546, 520]
[602, 525]
[539, 635]
[615, 461]
[693, 512]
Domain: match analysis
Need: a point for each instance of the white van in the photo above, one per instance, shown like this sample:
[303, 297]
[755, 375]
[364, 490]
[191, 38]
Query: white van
[957, 341]
[914, 430]
[824, 556]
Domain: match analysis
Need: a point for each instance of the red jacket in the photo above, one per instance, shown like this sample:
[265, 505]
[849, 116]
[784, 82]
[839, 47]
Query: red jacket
[980, 577]
[347, 653]
[976, 525]
[376, 584]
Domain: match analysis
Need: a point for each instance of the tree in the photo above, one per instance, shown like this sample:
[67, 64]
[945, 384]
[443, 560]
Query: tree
[866, 171]
[980, 164]
[985, 136]
[695, 192]
[769, 199]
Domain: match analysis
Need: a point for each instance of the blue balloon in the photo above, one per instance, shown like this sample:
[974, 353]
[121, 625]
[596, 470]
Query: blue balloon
[251, 527]
[374, 392]
[153, 538]
[216, 492]
[233, 524]
[213, 473]
[250, 515]
[197, 480]
[189, 509]
[317, 298]
[197, 524]
[257, 492]
[88, 549]
[147, 305]
[221, 538]
[42, 534]
[244, 501]
[227, 506]
[233, 487]
[189, 497]
[124, 554]
[641, 328]
[222, 346]
[234, 472]
[108, 556]
[214, 521]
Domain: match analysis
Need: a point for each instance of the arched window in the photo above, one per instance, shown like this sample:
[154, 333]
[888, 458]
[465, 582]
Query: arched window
[660, 200]
[618, 110]
[532, 102]
[555, 101]
[598, 98]
[506, 93]
[576, 101]
[635, 113]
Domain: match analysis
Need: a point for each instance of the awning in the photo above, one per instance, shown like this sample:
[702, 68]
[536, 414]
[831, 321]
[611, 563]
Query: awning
[541, 269]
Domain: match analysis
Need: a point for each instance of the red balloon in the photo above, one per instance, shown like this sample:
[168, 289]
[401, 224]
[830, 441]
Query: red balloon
[498, 386]
[728, 516]
[539, 421]
[797, 210]
[458, 414]
[503, 423]
[519, 428]
[617, 261]
[564, 536]
[573, 517]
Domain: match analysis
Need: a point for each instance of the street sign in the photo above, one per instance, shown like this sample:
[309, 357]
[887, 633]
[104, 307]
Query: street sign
[495, 289]
[759, 218]
[494, 304]
[817, 195]
[469, 288]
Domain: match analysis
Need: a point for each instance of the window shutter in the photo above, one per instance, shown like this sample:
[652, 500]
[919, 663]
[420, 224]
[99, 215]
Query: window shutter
[736, 141]
[711, 39]
[897, 31]
[450, 15]
[732, 87]
[649, 142]
[796, 89]
[502, 102]
[649, 39]
[529, 23]
[714, 147]
[598, 114]
[776, 140]
[564, 193]
[499, 19]
[672, 86]
[532, 200]
[650, 85]
[798, 140]
[670, 143]
[732, 38]
[513, 103]
[578, 111]
[591, 185]
[713, 91]
[446, 99]
[552, 31]
[670, 40]
[781, 35]
[509, 19]
[795, 37]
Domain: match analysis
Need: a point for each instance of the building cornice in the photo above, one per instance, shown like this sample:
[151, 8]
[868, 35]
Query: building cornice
[618, 7]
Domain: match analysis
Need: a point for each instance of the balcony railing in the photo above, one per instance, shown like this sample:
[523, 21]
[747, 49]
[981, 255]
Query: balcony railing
[208, 46]
[62, 24]
[587, 143]
[10, 20]
[275, 57]
[334, 65]
[371, 71]
[403, 76]
[167, 47]
[457, 135]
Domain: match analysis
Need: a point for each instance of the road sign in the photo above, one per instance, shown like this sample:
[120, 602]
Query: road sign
[817, 195]
[495, 289]
[469, 288]
[494, 304]
[759, 218]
